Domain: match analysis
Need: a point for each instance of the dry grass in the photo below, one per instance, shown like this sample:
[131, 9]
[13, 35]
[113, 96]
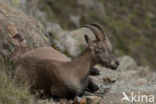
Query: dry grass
[10, 93]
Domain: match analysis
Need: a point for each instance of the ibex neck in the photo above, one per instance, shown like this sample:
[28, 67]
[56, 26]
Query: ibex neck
[85, 57]
[84, 62]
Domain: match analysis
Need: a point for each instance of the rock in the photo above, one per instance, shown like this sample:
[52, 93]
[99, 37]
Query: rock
[92, 99]
[127, 63]
[46, 101]
[18, 32]
[108, 74]
[129, 74]
[87, 100]
[129, 77]
[78, 100]
[108, 80]
[105, 88]
[64, 101]
[117, 97]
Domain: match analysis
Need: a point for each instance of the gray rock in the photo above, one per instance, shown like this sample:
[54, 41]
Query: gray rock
[127, 63]
[18, 32]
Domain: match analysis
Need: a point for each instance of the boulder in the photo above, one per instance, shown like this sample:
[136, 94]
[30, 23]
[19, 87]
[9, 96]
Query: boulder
[18, 32]
[127, 63]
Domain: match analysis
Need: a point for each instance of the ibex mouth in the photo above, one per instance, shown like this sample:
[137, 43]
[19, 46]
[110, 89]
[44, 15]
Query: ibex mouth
[114, 67]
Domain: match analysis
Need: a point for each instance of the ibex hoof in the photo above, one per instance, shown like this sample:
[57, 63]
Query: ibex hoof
[95, 72]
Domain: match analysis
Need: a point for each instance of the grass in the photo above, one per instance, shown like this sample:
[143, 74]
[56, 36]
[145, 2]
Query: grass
[11, 93]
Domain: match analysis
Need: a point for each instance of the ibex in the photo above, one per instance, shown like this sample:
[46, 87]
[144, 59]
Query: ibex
[49, 70]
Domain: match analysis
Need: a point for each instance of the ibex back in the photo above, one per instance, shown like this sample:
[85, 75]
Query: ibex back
[49, 70]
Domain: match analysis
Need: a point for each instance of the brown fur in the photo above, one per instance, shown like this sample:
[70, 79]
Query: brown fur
[49, 70]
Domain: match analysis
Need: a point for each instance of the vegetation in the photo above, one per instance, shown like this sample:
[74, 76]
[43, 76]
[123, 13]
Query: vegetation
[11, 93]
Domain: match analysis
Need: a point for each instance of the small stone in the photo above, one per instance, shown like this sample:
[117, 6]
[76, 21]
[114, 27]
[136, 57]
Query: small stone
[93, 99]
[105, 88]
[108, 80]
[79, 100]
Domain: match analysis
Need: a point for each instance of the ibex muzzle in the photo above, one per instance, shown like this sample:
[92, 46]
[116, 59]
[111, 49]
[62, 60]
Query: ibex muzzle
[100, 49]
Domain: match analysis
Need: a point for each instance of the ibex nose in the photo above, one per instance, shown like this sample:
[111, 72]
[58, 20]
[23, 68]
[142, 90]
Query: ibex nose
[117, 62]
[114, 64]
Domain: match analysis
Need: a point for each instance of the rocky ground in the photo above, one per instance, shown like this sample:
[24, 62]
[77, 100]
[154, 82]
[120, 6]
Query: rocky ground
[20, 32]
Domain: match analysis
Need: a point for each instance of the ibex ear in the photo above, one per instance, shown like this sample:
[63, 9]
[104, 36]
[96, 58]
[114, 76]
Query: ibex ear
[88, 40]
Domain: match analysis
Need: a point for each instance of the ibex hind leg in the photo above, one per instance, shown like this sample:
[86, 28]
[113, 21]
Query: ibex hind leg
[92, 87]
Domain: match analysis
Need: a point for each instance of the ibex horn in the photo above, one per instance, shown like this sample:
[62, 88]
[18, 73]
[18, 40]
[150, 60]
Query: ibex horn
[97, 30]
[101, 29]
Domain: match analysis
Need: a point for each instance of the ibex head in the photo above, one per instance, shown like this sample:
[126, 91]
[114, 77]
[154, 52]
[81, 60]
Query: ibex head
[100, 51]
